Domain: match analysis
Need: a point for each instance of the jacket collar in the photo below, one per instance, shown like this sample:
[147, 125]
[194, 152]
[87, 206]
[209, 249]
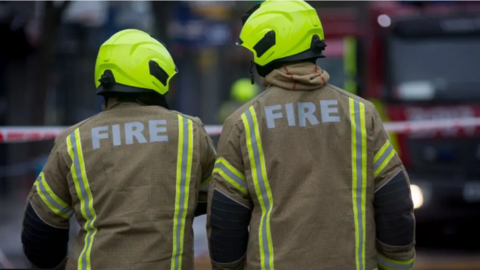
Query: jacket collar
[298, 77]
[114, 103]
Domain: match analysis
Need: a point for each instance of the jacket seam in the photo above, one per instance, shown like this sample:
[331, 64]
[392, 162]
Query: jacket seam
[40, 217]
[241, 258]
[390, 179]
[404, 246]
[233, 199]
[56, 267]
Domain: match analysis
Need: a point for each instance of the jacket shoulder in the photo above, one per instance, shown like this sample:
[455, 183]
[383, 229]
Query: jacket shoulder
[195, 119]
[339, 90]
[236, 116]
[64, 134]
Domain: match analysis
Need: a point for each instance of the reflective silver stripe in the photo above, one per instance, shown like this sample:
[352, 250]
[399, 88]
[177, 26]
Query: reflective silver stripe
[89, 227]
[390, 263]
[41, 186]
[383, 157]
[221, 166]
[263, 189]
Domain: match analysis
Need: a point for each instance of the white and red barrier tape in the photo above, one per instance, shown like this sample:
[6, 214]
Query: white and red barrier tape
[4, 262]
[26, 134]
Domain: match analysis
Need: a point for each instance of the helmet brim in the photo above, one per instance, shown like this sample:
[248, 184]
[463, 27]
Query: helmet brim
[120, 88]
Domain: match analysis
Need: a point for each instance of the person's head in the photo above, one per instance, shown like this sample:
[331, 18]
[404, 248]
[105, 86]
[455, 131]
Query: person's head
[243, 90]
[282, 32]
[132, 66]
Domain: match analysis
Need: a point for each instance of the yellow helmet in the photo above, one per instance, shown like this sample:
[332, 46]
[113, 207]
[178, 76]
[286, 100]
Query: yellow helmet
[279, 31]
[243, 90]
[131, 61]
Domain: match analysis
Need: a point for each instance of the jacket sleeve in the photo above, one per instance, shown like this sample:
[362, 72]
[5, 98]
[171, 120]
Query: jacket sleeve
[208, 156]
[47, 214]
[229, 203]
[394, 218]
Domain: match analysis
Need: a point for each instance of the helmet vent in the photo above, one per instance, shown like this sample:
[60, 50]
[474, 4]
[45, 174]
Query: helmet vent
[267, 42]
[158, 72]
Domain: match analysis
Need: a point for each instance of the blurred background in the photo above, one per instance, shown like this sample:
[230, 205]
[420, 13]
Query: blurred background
[416, 61]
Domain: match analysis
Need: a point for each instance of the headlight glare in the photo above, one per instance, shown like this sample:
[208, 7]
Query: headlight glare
[417, 196]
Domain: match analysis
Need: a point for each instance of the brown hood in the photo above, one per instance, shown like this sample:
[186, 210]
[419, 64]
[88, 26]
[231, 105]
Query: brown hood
[301, 77]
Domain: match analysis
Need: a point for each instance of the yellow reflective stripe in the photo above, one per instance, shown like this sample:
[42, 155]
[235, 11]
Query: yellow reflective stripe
[262, 186]
[384, 164]
[380, 105]
[232, 175]
[53, 202]
[184, 171]
[364, 178]
[381, 151]
[267, 184]
[390, 264]
[359, 178]
[231, 168]
[82, 186]
[382, 158]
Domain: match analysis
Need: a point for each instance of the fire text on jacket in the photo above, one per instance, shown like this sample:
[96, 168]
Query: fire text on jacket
[133, 132]
[305, 112]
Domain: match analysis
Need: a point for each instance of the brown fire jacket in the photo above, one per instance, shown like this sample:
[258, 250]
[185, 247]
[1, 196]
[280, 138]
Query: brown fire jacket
[133, 176]
[306, 178]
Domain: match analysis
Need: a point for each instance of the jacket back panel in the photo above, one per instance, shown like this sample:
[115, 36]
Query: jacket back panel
[130, 156]
[306, 138]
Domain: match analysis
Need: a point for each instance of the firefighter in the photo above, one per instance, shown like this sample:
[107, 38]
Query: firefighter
[306, 176]
[242, 91]
[134, 175]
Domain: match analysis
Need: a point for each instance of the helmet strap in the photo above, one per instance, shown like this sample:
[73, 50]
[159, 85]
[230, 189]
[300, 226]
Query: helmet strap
[264, 70]
[249, 12]
[251, 73]
[107, 81]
